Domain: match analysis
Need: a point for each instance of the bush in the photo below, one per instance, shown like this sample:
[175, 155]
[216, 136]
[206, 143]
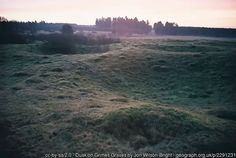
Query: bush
[59, 43]
[67, 30]
[92, 39]
[12, 38]
[68, 43]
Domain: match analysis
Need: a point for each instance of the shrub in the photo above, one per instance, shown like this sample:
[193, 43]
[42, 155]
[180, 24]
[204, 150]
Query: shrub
[12, 38]
[67, 30]
[59, 43]
[98, 39]
[66, 43]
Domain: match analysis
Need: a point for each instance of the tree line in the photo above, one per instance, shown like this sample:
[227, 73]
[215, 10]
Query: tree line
[29, 27]
[173, 29]
[21, 32]
[122, 25]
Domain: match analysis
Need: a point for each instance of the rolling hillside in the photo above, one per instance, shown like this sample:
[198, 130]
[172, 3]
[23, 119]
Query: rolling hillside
[140, 95]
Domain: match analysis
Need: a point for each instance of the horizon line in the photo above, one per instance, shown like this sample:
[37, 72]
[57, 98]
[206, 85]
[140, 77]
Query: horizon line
[76, 23]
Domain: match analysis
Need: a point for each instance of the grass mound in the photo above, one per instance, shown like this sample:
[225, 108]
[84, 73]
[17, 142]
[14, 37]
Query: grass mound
[194, 46]
[149, 125]
[189, 78]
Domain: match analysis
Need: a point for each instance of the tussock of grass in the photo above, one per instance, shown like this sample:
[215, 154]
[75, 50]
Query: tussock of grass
[65, 84]
[16, 88]
[33, 81]
[118, 99]
[21, 74]
[57, 70]
[161, 68]
[64, 97]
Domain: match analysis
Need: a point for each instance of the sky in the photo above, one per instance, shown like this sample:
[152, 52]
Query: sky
[207, 13]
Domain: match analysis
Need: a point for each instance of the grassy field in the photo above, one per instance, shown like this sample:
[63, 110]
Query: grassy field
[140, 95]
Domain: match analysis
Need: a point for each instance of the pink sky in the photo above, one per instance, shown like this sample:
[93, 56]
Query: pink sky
[210, 13]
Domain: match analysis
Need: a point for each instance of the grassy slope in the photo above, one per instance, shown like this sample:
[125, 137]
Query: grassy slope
[142, 95]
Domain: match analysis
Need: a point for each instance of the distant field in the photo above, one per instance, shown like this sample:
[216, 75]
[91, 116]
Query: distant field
[144, 94]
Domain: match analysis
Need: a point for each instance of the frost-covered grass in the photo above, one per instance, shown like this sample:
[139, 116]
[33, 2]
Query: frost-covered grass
[142, 95]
